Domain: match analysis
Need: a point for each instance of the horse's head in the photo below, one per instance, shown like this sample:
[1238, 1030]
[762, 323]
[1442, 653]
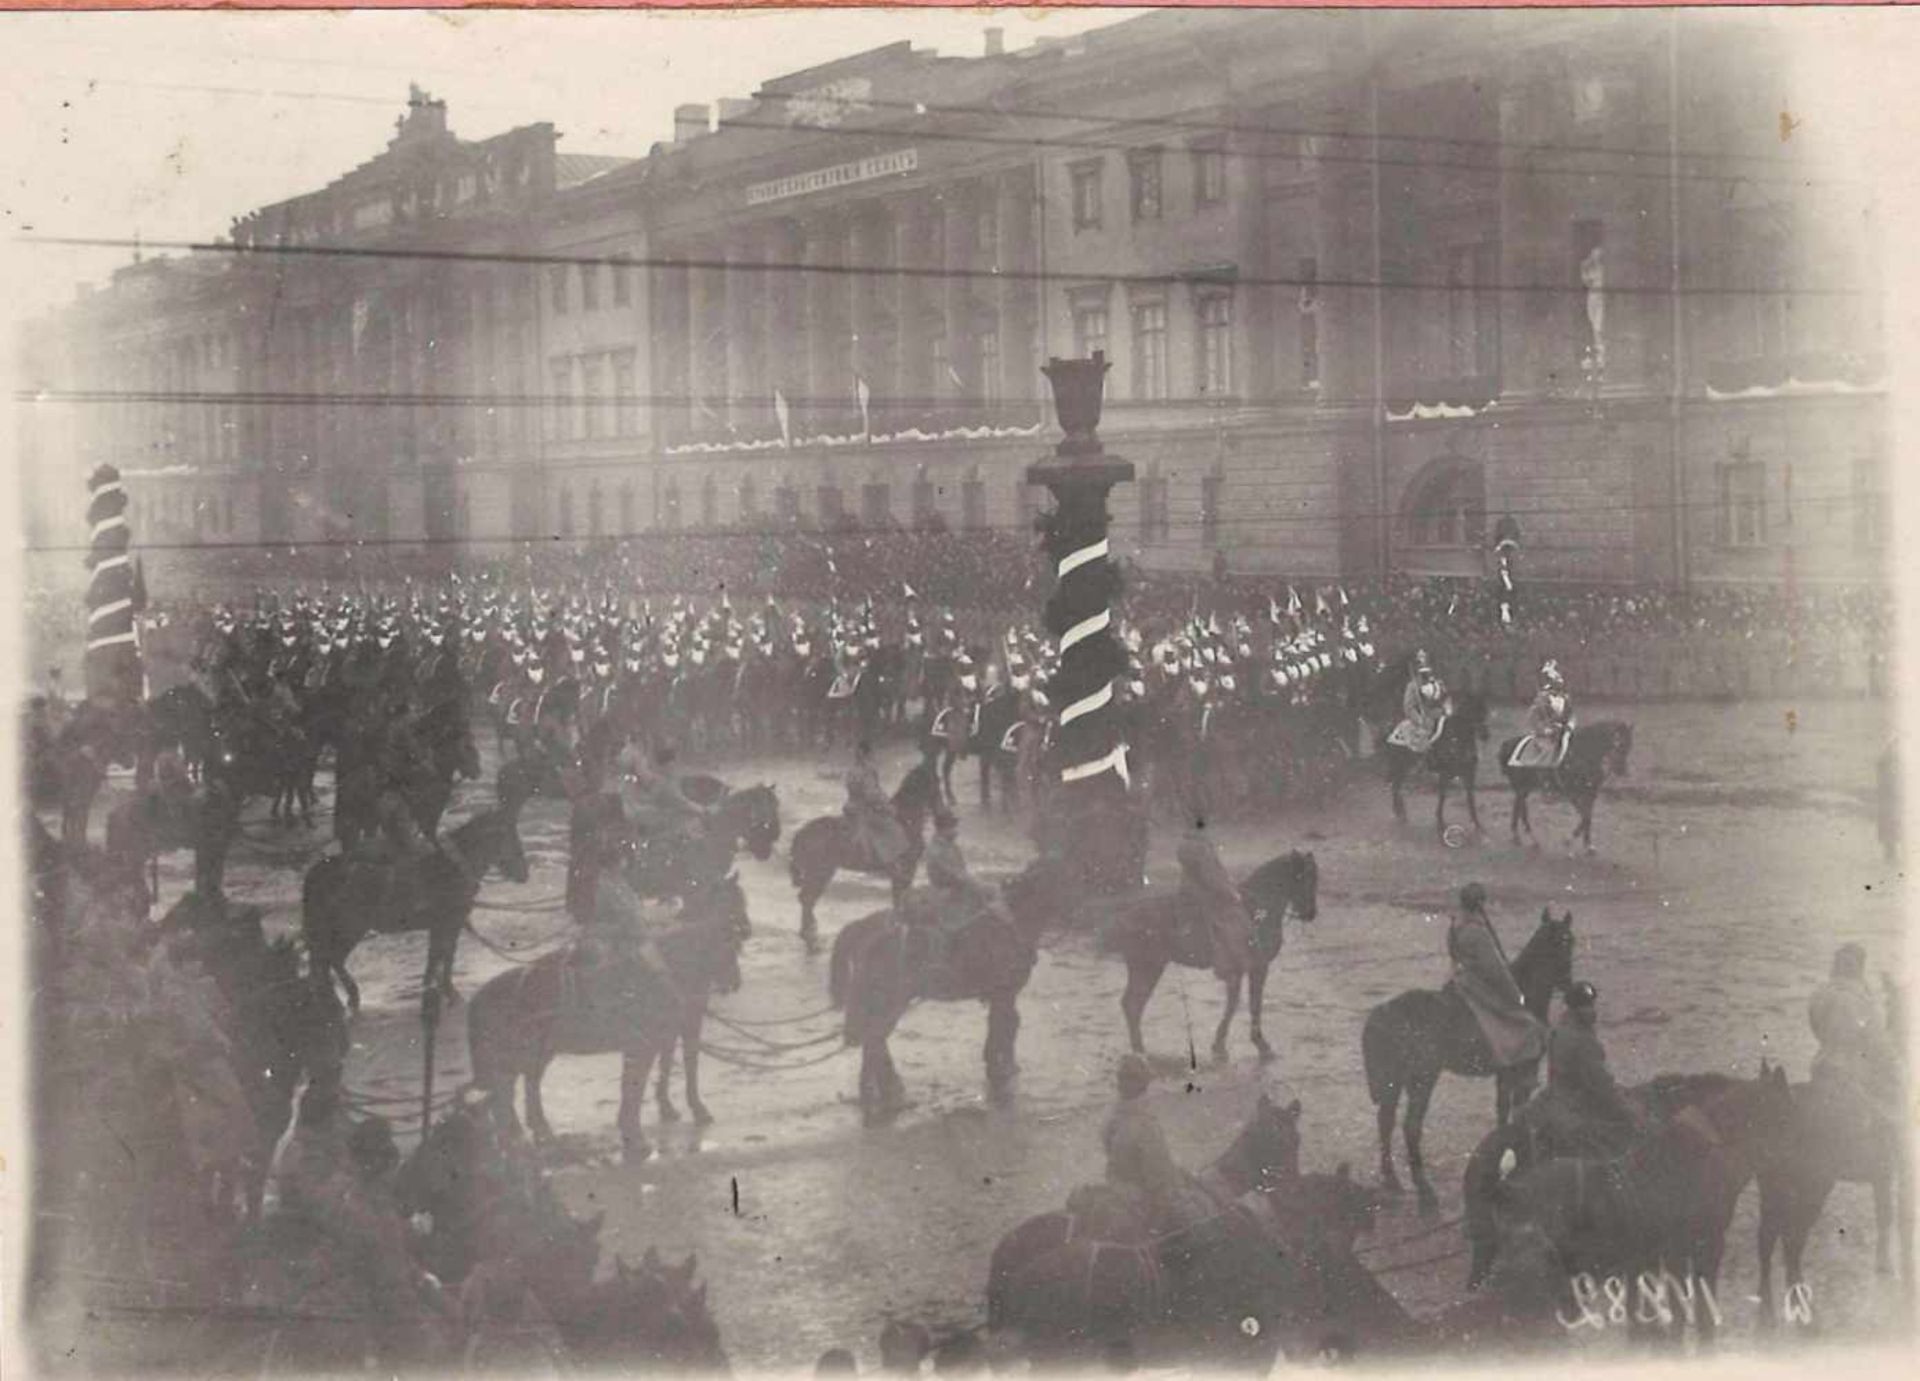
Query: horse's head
[1290, 882]
[1268, 1147]
[1619, 749]
[1545, 966]
[754, 818]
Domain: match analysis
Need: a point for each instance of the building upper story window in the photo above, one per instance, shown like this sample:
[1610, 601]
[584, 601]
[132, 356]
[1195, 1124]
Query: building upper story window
[1473, 312]
[749, 502]
[786, 503]
[1216, 343]
[1087, 194]
[1209, 175]
[622, 284]
[557, 277]
[625, 400]
[670, 506]
[559, 411]
[596, 506]
[1741, 511]
[592, 391]
[986, 227]
[589, 287]
[1155, 524]
[924, 506]
[1150, 350]
[987, 356]
[709, 503]
[1089, 328]
[1143, 175]
[876, 505]
[830, 502]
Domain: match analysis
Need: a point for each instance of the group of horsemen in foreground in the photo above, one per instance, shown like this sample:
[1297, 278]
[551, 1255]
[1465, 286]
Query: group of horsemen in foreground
[407, 699]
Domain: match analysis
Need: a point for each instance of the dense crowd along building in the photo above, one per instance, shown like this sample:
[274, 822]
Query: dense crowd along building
[1368, 284]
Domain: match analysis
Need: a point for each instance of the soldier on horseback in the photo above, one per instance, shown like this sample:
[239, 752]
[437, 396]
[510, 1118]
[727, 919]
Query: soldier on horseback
[1549, 722]
[1856, 1069]
[1485, 982]
[662, 808]
[1207, 886]
[1424, 707]
[877, 831]
[1582, 1111]
[1139, 1163]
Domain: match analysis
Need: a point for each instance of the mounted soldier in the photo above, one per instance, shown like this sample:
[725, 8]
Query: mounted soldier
[877, 831]
[1424, 707]
[661, 808]
[1856, 1072]
[1582, 1111]
[1206, 883]
[1483, 980]
[1549, 723]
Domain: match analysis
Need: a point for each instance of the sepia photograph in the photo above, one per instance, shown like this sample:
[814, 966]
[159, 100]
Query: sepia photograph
[827, 691]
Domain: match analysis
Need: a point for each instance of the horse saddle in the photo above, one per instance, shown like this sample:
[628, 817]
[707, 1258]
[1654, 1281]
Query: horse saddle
[1408, 735]
[1539, 752]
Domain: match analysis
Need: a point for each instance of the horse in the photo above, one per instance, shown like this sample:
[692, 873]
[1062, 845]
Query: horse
[825, 845]
[1376, 695]
[987, 741]
[94, 737]
[343, 899]
[1453, 756]
[878, 969]
[1525, 1139]
[279, 1026]
[672, 865]
[521, 1019]
[1594, 752]
[1267, 1265]
[1818, 1151]
[180, 720]
[1409, 1040]
[1163, 928]
[1659, 1212]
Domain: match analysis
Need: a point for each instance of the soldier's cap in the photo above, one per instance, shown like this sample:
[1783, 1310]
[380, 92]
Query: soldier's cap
[1582, 995]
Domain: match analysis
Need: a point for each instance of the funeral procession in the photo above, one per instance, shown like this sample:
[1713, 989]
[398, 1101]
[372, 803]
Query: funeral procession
[1132, 691]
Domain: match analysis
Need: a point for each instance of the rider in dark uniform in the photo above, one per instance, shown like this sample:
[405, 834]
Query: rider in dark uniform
[1582, 1110]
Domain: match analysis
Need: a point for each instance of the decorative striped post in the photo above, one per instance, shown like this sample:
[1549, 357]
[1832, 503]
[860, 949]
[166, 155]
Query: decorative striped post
[113, 651]
[1094, 811]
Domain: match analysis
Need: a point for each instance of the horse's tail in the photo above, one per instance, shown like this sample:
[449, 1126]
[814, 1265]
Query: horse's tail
[1377, 1044]
[840, 969]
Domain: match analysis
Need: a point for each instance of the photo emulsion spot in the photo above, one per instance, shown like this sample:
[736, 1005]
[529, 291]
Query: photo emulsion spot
[1177, 691]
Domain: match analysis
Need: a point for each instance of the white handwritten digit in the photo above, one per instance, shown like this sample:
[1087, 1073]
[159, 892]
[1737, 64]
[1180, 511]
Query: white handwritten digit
[1585, 1298]
[1682, 1290]
[1713, 1305]
[1653, 1298]
[1616, 1289]
[1799, 1304]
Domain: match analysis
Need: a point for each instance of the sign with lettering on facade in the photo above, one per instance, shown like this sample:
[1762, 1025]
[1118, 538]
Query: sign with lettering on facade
[829, 103]
[840, 175]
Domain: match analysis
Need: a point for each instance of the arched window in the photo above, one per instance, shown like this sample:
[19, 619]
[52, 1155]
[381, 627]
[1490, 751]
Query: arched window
[1447, 504]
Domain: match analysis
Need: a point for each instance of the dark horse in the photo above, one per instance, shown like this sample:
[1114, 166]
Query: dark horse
[825, 845]
[1262, 1261]
[1410, 1040]
[1594, 752]
[673, 865]
[1659, 1212]
[344, 899]
[557, 1005]
[879, 968]
[1453, 757]
[1837, 1136]
[1161, 928]
[279, 1026]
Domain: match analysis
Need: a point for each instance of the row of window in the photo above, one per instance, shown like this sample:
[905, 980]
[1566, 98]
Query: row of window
[1147, 315]
[1146, 192]
[829, 506]
[180, 511]
[586, 287]
[593, 395]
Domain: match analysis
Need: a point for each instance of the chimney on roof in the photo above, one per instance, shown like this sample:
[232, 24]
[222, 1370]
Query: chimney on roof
[689, 123]
[996, 41]
[733, 108]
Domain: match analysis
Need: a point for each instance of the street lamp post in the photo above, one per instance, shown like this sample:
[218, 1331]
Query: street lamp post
[1093, 814]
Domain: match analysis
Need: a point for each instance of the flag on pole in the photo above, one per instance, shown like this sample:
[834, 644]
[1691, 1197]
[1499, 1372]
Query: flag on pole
[780, 412]
[865, 395]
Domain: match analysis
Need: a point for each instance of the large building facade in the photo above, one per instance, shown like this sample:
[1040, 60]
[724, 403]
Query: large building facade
[1366, 283]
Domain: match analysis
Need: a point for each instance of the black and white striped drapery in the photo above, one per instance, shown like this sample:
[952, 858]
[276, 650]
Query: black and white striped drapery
[113, 595]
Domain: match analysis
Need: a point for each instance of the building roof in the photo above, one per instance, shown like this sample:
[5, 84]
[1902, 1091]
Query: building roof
[572, 169]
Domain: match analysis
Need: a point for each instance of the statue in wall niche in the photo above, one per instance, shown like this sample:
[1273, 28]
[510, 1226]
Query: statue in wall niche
[1593, 277]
